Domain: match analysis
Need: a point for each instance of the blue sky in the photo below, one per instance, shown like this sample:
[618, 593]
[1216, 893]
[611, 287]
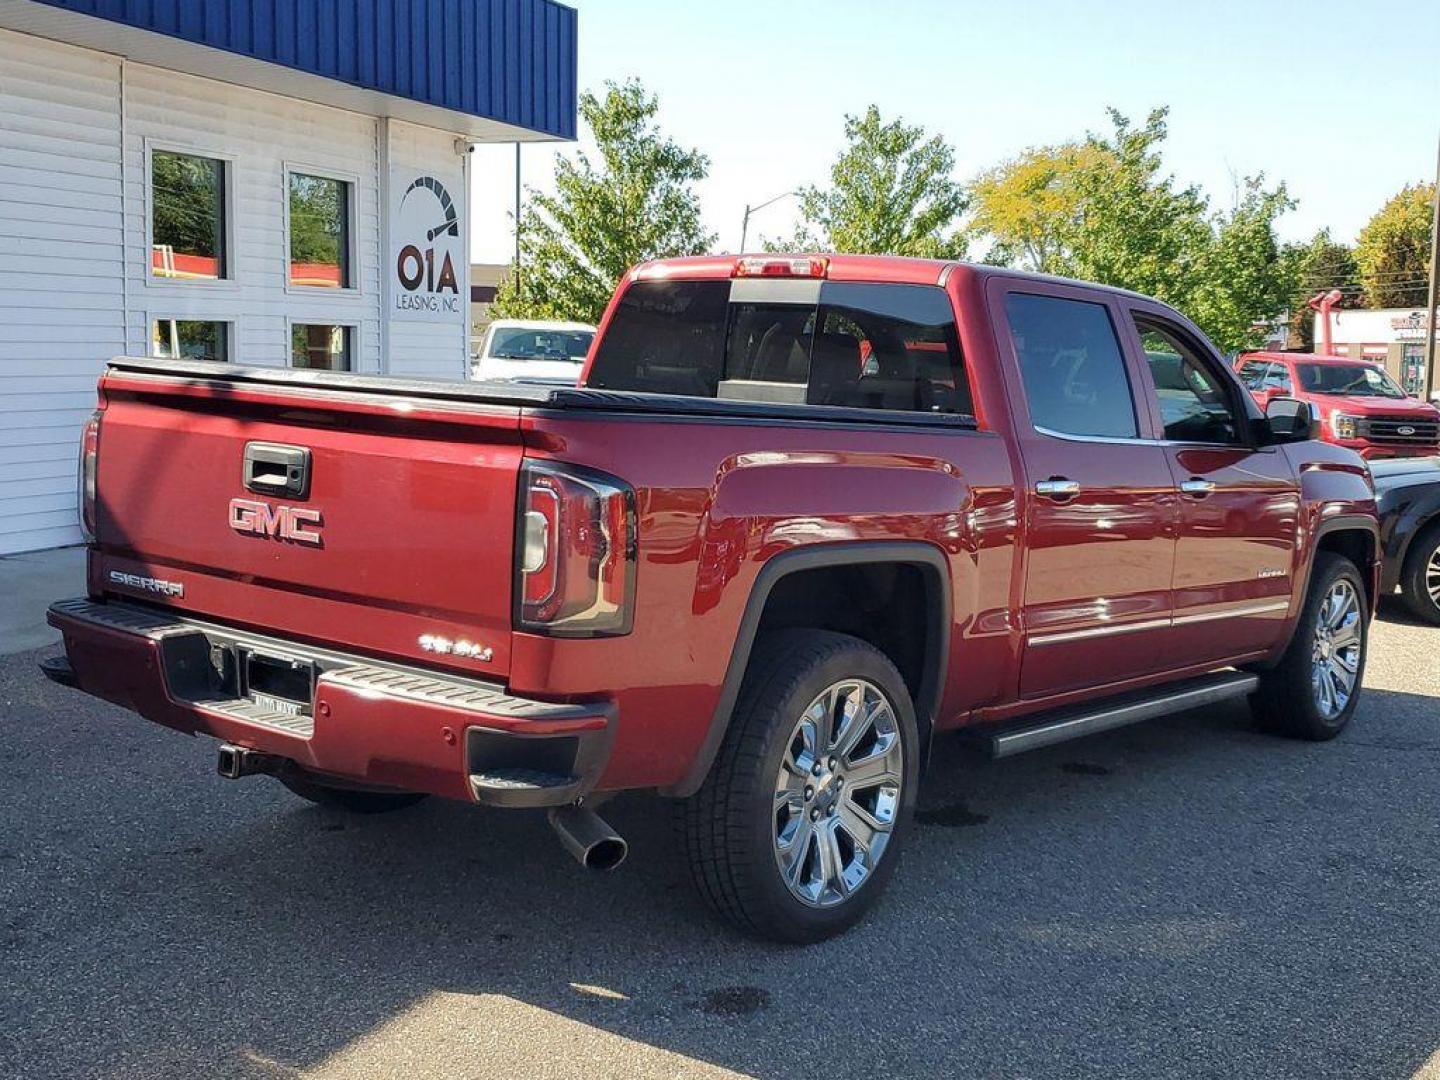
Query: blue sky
[1341, 101]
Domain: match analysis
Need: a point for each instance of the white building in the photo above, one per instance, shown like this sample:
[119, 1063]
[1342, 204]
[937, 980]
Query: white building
[1394, 337]
[240, 180]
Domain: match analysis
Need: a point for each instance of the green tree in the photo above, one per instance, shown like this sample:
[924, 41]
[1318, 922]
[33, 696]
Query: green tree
[1105, 210]
[1136, 227]
[1026, 207]
[635, 202]
[1243, 282]
[1393, 249]
[891, 193]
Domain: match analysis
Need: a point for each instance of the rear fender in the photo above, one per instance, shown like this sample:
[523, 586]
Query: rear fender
[937, 638]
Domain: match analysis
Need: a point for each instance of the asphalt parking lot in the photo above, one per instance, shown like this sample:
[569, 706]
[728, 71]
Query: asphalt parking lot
[1189, 898]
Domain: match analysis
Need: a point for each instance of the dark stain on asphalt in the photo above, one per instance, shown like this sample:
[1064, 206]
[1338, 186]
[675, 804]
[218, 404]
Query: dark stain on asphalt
[500, 937]
[334, 827]
[1084, 768]
[953, 815]
[734, 1001]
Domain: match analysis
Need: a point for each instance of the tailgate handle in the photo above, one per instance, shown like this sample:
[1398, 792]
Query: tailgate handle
[272, 469]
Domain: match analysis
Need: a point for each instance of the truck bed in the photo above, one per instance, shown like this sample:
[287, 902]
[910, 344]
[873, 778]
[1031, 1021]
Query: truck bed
[528, 396]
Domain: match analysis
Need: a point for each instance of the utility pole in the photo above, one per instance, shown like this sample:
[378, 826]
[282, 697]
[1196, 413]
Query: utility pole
[1433, 296]
[515, 264]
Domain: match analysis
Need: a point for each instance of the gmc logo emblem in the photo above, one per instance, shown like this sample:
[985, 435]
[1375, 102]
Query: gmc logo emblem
[294, 523]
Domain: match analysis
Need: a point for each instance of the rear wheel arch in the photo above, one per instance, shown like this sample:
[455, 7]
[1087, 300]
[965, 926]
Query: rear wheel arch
[925, 676]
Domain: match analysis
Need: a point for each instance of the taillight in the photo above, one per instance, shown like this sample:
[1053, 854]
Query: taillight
[576, 551]
[803, 266]
[85, 479]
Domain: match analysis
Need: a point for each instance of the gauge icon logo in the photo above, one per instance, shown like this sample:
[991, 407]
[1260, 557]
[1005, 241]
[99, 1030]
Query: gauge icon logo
[448, 225]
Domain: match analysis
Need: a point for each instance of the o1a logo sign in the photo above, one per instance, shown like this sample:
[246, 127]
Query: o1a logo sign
[427, 230]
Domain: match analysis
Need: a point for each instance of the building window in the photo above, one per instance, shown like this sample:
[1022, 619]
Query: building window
[320, 347]
[187, 217]
[189, 339]
[319, 231]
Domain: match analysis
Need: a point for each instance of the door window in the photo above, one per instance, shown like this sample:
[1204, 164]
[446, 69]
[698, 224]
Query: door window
[1072, 366]
[1278, 378]
[1254, 374]
[1194, 404]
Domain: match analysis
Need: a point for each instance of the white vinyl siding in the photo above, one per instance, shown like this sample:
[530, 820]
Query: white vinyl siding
[61, 283]
[76, 130]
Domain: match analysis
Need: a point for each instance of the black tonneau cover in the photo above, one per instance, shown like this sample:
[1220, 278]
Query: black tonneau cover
[530, 395]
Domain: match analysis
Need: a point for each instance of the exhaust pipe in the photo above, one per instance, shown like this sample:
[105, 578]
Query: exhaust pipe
[233, 762]
[595, 845]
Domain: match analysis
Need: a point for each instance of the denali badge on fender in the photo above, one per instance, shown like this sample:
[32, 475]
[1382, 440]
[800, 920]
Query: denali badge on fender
[147, 584]
[280, 522]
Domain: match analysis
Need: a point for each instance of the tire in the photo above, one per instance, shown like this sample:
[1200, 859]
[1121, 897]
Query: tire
[1420, 576]
[352, 800]
[737, 832]
[1304, 695]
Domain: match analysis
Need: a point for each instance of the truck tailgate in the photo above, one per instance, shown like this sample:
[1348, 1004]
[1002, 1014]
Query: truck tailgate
[399, 544]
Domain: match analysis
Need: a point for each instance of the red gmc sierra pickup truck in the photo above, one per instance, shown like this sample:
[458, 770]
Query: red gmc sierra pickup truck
[802, 514]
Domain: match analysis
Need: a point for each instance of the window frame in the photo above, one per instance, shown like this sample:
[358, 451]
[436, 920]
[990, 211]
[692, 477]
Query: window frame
[228, 322]
[351, 326]
[352, 249]
[1238, 397]
[1014, 376]
[228, 204]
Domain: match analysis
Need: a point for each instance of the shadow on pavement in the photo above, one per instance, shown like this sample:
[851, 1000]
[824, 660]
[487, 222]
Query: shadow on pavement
[1188, 897]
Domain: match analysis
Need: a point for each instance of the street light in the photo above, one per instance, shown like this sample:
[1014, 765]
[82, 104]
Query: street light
[745, 226]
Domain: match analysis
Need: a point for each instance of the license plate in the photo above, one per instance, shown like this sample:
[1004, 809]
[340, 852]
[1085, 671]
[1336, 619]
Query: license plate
[282, 684]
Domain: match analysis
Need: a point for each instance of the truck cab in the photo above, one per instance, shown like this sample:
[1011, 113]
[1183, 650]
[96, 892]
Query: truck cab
[1358, 405]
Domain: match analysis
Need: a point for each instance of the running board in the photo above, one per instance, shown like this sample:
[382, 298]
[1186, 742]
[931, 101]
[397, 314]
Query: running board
[1118, 712]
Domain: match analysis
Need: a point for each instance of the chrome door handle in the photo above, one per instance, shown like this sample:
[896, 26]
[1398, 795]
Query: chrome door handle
[1058, 488]
[1197, 487]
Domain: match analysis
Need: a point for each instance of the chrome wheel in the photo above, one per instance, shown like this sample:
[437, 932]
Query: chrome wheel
[837, 792]
[1432, 577]
[1335, 658]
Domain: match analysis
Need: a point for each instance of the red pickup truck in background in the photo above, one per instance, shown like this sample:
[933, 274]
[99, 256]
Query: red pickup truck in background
[803, 514]
[1357, 403]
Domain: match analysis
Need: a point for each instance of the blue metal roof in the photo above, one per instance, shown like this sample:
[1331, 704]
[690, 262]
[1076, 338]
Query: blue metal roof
[507, 60]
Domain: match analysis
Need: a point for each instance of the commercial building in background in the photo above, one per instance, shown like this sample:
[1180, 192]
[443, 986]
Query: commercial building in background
[269, 181]
[485, 281]
[1394, 337]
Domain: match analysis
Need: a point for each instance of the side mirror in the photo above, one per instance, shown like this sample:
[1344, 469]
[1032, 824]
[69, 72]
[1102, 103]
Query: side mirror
[1290, 419]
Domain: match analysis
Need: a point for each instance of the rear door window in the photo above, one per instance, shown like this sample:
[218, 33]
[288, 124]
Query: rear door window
[1072, 366]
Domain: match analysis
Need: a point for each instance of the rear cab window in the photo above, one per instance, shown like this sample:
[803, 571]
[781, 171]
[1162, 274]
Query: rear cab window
[826, 343]
[1072, 366]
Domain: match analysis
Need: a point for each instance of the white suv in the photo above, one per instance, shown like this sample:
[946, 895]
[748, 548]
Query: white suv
[532, 350]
